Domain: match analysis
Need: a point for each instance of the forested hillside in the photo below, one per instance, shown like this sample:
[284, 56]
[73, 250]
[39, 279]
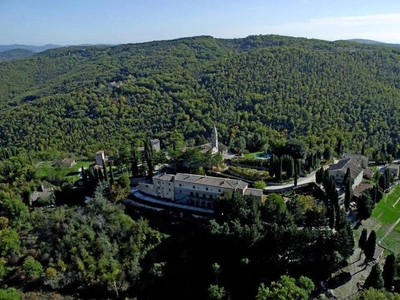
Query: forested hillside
[15, 54]
[80, 99]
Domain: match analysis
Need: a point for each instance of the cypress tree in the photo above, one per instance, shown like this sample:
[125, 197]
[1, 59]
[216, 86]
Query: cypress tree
[389, 270]
[148, 155]
[105, 171]
[135, 161]
[348, 195]
[370, 246]
[296, 170]
[271, 169]
[111, 176]
[290, 167]
[332, 217]
[365, 206]
[374, 279]
[363, 239]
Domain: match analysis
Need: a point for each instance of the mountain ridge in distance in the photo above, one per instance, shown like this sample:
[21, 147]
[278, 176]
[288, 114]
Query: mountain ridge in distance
[372, 42]
[15, 54]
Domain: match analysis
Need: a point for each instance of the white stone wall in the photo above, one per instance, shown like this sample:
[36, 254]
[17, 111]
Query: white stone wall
[146, 188]
[358, 179]
[163, 189]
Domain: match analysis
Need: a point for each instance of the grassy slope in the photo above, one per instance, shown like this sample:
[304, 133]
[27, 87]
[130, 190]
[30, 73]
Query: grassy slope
[385, 217]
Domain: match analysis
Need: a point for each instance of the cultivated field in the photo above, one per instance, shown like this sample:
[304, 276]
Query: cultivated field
[385, 220]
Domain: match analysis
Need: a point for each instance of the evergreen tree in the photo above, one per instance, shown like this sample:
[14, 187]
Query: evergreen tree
[348, 195]
[271, 169]
[319, 175]
[339, 147]
[327, 153]
[365, 206]
[135, 161]
[374, 279]
[382, 182]
[389, 270]
[370, 246]
[148, 155]
[345, 238]
[290, 167]
[278, 170]
[111, 175]
[332, 216]
[363, 239]
[105, 171]
[347, 177]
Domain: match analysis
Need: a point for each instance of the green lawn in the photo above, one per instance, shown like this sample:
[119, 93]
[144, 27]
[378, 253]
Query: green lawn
[251, 155]
[46, 169]
[385, 216]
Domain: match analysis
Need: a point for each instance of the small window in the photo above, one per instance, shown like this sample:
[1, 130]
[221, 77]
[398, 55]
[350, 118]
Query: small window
[180, 184]
[219, 190]
[194, 187]
[169, 189]
[206, 188]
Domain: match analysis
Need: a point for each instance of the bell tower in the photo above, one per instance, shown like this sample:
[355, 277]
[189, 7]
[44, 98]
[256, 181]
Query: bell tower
[214, 140]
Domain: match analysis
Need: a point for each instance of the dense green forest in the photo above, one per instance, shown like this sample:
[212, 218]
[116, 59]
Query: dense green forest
[294, 96]
[260, 89]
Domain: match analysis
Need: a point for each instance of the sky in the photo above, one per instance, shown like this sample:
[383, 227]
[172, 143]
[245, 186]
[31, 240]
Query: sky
[73, 22]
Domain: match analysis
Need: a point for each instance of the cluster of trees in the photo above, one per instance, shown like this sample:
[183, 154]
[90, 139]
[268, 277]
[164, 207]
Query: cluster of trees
[81, 99]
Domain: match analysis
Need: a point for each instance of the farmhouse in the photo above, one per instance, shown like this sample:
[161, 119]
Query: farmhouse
[361, 160]
[339, 169]
[394, 169]
[197, 190]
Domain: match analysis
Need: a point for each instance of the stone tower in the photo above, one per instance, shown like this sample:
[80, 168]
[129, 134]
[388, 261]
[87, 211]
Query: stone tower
[214, 140]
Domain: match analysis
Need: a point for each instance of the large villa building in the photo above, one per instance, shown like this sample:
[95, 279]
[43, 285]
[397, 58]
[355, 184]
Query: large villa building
[356, 164]
[195, 190]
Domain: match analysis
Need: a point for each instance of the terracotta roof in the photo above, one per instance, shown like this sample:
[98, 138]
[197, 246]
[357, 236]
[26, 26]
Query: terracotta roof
[211, 181]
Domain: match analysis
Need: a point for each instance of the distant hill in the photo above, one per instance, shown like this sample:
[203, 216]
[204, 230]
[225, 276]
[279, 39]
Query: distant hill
[15, 54]
[255, 90]
[372, 42]
[28, 47]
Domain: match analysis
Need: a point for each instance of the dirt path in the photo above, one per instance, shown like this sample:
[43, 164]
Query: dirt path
[358, 270]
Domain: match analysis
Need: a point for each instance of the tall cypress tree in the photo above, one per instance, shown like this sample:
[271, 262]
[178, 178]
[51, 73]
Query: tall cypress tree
[105, 171]
[363, 239]
[348, 195]
[271, 169]
[389, 270]
[111, 176]
[148, 155]
[135, 161]
[370, 246]
[374, 279]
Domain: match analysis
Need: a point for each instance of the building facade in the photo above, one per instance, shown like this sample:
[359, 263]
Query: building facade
[196, 190]
[338, 171]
